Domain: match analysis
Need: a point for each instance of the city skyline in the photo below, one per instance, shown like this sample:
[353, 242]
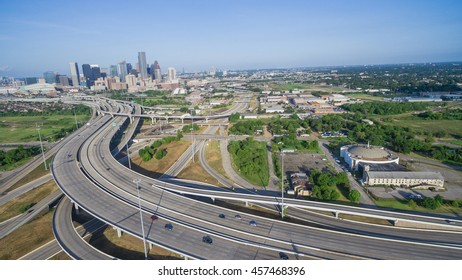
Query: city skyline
[40, 37]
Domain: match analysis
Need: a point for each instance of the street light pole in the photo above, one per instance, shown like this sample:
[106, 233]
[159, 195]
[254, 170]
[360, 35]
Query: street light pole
[41, 147]
[282, 185]
[192, 137]
[137, 181]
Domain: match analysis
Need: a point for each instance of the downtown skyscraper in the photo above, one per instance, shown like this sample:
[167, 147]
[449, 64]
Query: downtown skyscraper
[75, 76]
[143, 65]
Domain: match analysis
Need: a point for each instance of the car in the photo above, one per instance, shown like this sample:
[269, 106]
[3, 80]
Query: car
[221, 216]
[283, 256]
[237, 216]
[154, 217]
[451, 222]
[253, 223]
[207, 239]
[168, 227]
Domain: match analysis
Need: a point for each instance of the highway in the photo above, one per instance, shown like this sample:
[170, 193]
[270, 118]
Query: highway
[24, 188]
[114, 200]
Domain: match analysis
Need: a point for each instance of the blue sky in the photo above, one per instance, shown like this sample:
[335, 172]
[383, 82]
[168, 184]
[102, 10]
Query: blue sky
[37, 36]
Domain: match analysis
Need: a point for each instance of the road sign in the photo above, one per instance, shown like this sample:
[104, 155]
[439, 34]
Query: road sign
[114, 124]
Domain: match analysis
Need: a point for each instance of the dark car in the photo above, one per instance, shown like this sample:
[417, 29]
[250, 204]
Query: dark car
[207, 239]
[154, 217]
[169, 227]
[253, 223]
[283, 256]
[221, 216]
[237, 216]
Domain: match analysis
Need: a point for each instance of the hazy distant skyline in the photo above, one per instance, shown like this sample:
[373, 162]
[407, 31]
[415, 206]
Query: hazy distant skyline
[39, 36]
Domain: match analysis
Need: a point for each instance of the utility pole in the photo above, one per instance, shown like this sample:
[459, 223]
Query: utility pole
[41, 146]
[137, 181]
[282, 184]
[192, 136]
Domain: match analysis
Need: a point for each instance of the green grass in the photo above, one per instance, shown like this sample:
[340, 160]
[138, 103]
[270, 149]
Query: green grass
[306, 87]
[23, 128]
[401, 204]
[365, 96]
[452, 127]
[38, 172]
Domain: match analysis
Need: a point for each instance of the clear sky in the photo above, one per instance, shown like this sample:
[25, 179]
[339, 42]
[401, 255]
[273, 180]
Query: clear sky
[38, 36]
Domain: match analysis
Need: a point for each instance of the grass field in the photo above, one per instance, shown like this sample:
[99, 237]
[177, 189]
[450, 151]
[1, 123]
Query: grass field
[27, 238]
[128, 247]
[11, 208]
[34, 174]
[307, 87]
[23, 128]
[402, 205]
[195, 171]
[154, 168]
[213, 157]
[365, 96]
[452, 127]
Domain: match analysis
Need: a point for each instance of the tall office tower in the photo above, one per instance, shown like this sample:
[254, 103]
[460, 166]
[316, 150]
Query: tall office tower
[75, 73]
[129, 67]
[50, 77]
[104, 72]
[157, 72]
[143, 65]
[88, 75]
[122, 70]
[95, 72]
[113, 70]
[171, 74]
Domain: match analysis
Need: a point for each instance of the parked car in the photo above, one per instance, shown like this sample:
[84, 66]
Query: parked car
[169, 227]
[253, 223]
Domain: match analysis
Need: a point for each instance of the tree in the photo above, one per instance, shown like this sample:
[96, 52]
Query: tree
[455, 204]
[354, 196]
[411, 203]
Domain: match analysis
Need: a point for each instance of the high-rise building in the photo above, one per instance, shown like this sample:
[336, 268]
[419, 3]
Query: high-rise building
[95, 72]
[171, 74]
[113, 71]
[122, 70]
[75, 73]
[131, 80]
[143, 65]
[88, 75]
[50, 77]
[157, 73]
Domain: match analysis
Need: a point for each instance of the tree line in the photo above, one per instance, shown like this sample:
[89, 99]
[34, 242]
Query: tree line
[155, 150]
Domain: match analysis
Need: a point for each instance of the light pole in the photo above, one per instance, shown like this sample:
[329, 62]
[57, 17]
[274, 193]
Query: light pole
[192, 137]
[41, 147]
[282, 184]
[137, 181]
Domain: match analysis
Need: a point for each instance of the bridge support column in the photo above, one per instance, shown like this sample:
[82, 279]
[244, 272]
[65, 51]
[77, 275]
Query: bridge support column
[206, 120]
[213, 199]
[185, 258]
[150, 245]
[76, 207]
[166, 119]
[112, 115]
[394, 222]
[119, 232]
[182, 120]
[247, 204]
[336, 214]
[152, 121]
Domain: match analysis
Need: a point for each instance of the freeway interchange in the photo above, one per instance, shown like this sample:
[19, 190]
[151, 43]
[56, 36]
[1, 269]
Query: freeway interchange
[88, 174]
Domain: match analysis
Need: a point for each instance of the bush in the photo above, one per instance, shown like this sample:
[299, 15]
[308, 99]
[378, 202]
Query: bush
[160, 154]
[23, 208]
[354, 196]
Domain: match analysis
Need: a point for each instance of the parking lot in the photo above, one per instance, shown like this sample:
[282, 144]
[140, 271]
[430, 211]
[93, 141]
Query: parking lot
[304, 162]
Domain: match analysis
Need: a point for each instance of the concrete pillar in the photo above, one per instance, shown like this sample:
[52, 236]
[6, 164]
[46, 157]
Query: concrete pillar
[152, 120]
[247, 204]
[166, 119]
[336, 214]
[185, 258]
[395, 222]
[182, 120]
[132, 119]
[206, 120]
[112, 115]
[150, 245]
[213, 199]
[76, 207]
[119, 233]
